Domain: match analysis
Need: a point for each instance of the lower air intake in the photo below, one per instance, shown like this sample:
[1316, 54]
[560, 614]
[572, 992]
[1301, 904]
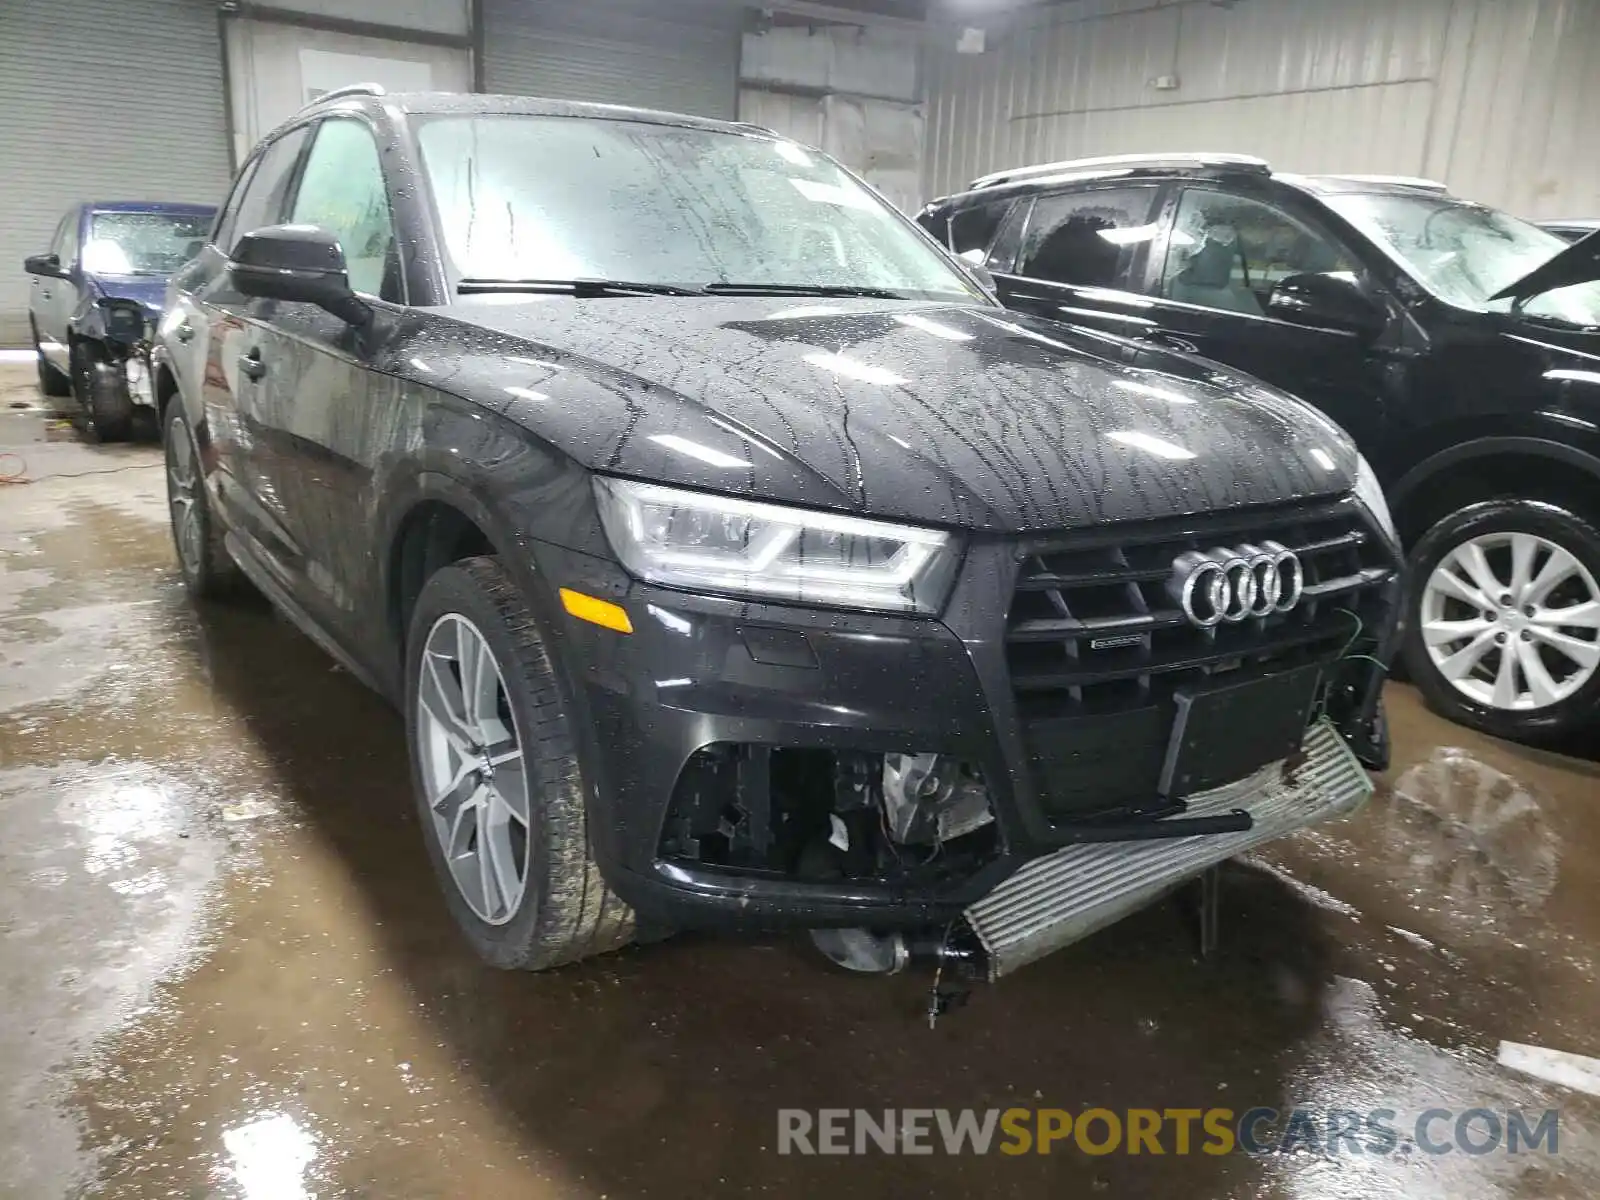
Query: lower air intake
[1063, 897]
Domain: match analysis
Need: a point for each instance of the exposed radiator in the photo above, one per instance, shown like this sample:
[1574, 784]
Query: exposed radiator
[1063, 897]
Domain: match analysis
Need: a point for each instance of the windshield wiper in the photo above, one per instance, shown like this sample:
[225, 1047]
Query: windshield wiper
[582, 288]
[802, 289]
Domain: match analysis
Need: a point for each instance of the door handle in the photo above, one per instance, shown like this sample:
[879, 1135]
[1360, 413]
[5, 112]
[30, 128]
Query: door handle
[44, 295]
[252, 365]
[184, 332]
[1172, 341]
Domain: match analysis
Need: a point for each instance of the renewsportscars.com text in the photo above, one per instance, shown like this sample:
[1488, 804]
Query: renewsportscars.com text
[1016, 1131]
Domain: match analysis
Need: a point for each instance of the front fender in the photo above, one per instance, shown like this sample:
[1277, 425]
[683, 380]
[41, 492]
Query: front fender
[515, 488]
[87, 319]
[162, 368]
[1413, 483]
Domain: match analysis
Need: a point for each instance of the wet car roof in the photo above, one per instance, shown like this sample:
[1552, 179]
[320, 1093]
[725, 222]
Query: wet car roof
[1329, 184]
[1316, 185]
[149, 206]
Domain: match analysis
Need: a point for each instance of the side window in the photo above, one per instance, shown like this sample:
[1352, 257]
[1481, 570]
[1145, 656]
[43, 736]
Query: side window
[222, 235]
[1087, 238]
[268, 189]
[1229, 252]
[972, 229]
[342, 191]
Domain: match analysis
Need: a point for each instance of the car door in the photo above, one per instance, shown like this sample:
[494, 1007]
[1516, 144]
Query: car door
[55, 298]
[1210, 281]
[325, 407]
[185, 322]
[1077, 251]
[41, 292]
[227, 332]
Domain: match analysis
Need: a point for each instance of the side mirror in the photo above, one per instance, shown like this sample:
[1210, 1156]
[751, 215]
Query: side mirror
[299, 263]
[48, 265]
[1333, 301]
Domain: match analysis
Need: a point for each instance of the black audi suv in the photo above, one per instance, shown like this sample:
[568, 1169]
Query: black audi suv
[1458, 345]
[735, 559]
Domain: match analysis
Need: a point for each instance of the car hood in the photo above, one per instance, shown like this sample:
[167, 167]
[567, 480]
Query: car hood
[1578, 263]
[967, 416]
[148, 290]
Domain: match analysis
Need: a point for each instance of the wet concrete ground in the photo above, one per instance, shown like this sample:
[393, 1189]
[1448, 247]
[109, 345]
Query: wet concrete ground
[225, 971]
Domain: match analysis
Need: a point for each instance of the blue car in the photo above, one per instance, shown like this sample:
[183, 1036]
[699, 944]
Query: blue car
[96, 298]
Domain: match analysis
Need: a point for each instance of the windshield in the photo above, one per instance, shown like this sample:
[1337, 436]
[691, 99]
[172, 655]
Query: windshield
[556, 198]
[1464, 253]
[143, 243]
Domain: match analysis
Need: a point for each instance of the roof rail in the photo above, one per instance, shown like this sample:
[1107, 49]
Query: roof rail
[349, 89]
[1111, 163]
[1427, 185]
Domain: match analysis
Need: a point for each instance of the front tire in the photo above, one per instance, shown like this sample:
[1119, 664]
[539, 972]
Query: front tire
[110, 406]
[1503, 619]
[101, 393]
[209, 572]
[496, 777]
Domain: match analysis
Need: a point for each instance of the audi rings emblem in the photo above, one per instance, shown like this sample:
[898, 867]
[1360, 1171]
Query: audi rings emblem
[1233, 585]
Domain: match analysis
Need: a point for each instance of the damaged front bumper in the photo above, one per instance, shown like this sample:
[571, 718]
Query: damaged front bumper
[757, 766]
[1064, 897]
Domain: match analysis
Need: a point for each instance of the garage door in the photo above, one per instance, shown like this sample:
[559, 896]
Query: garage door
[101, 99]
[682, 56]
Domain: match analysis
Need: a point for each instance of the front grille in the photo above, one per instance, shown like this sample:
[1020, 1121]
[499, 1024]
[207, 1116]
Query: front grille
[1096, 646]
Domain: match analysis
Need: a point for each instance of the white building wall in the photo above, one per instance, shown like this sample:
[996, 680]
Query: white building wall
[1492, 96]
[275, 70]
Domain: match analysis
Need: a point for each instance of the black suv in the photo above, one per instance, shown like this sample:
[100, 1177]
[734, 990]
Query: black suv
[1459, 346]
[735, 559]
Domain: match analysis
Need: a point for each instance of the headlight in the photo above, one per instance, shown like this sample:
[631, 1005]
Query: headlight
[711, 543]
[1370, 492]
[124, 320]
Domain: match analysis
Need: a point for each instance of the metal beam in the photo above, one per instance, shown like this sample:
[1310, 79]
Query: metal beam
[327, 24]
[839, 14]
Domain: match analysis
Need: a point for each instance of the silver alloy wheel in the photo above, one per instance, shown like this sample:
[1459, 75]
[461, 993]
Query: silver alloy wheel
[183, 484]
[473, 769]
[1512, 621]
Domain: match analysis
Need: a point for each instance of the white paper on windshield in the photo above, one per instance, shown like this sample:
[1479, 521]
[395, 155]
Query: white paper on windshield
[829, 193]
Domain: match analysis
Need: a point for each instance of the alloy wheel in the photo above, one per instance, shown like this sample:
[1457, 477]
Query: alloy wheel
[183, 483]
[1512, 620]
[472, 768]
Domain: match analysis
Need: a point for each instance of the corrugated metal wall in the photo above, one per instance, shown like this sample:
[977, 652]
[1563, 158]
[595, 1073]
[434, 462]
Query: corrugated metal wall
[682, 56]
[1491, 96]
[101, 99]
[1518, 102]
